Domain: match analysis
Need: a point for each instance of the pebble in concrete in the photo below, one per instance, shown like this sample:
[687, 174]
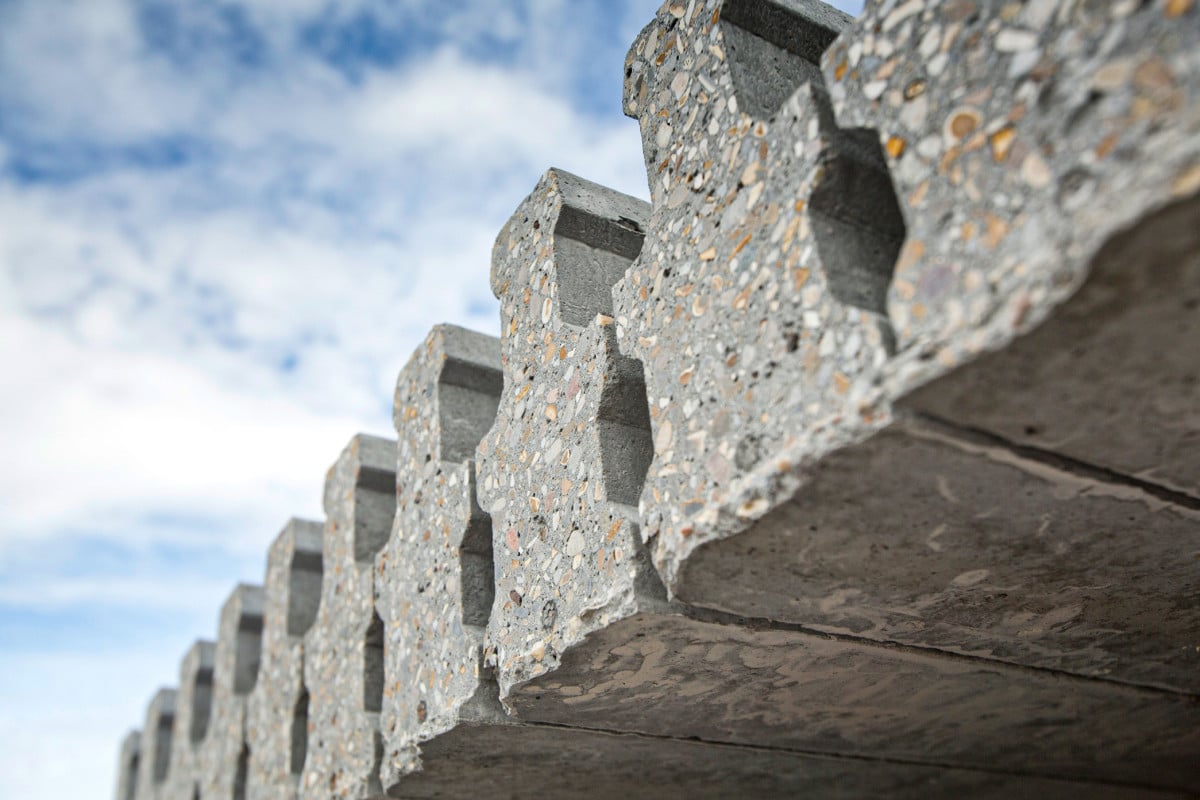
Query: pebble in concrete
[127, 766]
[758, 302]
[1022, 138]
[193, 714]
[435, 576]
[344, 658]
[224, 760]
[154, 763]
[277, 721]
[562, 467]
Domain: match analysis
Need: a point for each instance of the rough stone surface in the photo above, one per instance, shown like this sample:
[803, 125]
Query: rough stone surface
[154, 764]
[435, 576]
[343, 665]
[277, 720]
[560, 470]
[224, 760]
[193, 716]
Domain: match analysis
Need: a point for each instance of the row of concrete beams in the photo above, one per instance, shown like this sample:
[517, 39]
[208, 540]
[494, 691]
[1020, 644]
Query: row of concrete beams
[750, 510]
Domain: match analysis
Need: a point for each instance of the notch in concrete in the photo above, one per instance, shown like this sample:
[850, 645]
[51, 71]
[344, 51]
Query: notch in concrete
[597, 234]
[304, 576]
[774, 47]
[203, 657]
[374, 464]
[299, 734]
[248, 601]
[161, 720]
[373, 660]
[242, 772]
[856, 218]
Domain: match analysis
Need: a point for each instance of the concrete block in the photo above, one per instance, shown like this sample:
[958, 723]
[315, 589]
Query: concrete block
[193, 715]
[758, 304]
[561, 469]
[343, 662]
[435, 577]
[927, 535]
[277, 717]
[127, 766]
[154, 763]
[224, 761]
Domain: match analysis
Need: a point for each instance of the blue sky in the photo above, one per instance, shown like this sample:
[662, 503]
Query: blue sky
[223, 228]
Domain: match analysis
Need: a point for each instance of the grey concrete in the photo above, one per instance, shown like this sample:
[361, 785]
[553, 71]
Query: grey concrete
[344, 649]
[928, 536]
[435, 576]
[277, 715]
[193, 716]
[757, 305]
[561, 467]
[224, 760]
[154, 765]
[1113, 377]
[683, 675]
[127, 766]
[510, 762]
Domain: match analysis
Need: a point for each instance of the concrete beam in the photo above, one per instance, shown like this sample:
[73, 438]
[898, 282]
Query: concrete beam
[277, 717]
[127, 766]
[343, 663]
[435, 576]
[193, 717]
[224, 760]
[561, 469]
[154, 765]
[758, 304]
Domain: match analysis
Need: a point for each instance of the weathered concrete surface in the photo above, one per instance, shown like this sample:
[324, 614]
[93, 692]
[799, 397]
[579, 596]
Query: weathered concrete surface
[343, 664]
[435, 576]
[680, 676]
[513, 762]
[925, 536]
[1113, 377]
[563, 463]
[193, 715]
[224, 761]
[757, 303]
[127, 766]
[277, 717]
[154, 765]
[1010, 184]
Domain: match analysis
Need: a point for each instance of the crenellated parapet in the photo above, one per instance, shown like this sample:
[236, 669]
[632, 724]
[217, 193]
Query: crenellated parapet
[860, 462]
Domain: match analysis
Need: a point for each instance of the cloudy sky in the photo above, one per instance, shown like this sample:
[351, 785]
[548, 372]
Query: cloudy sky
[224, 225]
